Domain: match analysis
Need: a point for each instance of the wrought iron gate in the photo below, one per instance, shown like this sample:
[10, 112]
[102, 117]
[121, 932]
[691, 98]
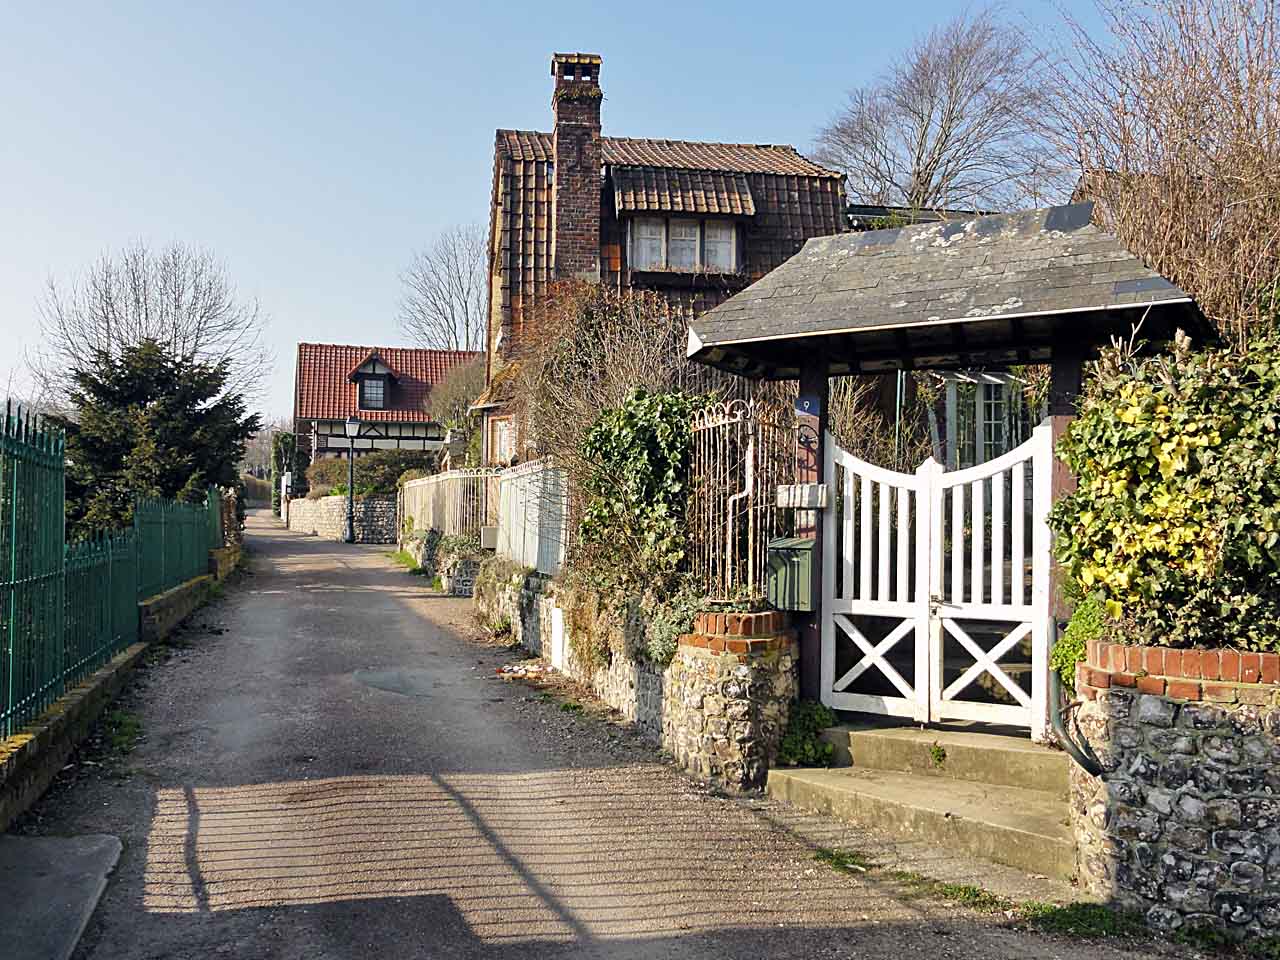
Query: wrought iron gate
[936, 588]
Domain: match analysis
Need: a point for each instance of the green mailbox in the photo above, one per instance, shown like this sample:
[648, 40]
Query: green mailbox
[791, 579]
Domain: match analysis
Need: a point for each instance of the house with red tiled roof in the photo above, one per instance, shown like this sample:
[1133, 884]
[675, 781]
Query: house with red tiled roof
[387, 388]
[695, 221]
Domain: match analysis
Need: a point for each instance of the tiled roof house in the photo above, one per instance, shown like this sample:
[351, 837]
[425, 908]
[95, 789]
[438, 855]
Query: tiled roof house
[695, 221]
[387, 388]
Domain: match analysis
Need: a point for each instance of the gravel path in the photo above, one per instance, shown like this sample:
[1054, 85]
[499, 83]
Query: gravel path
[329, 767]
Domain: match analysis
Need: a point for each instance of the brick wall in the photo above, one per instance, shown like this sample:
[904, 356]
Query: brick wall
[1186, 825]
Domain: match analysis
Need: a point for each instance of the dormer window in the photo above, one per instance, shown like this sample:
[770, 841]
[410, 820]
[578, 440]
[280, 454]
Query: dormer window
[373, 393]
[373, 379]
[683, 245]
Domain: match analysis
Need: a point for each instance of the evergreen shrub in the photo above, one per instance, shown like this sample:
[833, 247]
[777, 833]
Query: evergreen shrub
[1176, 520]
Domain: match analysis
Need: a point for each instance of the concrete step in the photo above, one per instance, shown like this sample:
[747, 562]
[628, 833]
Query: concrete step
[1021, 828]
[952, 752]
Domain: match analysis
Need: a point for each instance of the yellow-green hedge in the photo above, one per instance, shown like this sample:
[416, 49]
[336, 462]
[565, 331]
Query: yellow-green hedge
[1176, 522]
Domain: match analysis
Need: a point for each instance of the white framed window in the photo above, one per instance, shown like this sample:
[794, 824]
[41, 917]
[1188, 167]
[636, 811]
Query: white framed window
[683, 245]
[682, 248]
[373, 393]
[502, 441]
[649, 244]
[719, 254]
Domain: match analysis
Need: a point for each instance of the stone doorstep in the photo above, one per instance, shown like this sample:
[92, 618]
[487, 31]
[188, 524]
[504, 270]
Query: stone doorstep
[971, 755]
[1020, 828]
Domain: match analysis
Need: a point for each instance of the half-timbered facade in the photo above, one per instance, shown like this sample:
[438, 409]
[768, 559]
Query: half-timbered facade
[694, 221]
[387, 388]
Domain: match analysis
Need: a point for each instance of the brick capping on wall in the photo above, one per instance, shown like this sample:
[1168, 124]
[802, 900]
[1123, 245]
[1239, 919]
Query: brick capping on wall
[746, 634]
[1219, 676]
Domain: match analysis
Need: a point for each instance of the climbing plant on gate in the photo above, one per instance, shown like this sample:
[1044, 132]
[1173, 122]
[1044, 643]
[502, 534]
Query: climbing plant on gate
[638, 485]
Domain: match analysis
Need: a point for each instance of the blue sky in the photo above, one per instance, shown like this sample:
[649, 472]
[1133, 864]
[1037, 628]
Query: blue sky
[314, 147]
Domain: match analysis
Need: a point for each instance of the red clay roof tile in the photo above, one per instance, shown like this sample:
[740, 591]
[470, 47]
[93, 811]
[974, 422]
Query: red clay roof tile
[322, 390]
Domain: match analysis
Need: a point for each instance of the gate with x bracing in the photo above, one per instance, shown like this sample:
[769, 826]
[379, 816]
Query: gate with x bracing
[935, 588]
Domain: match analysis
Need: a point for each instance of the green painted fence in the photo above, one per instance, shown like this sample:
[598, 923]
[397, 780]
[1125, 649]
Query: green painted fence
[66, 609]
[32, 557]
[174, 540]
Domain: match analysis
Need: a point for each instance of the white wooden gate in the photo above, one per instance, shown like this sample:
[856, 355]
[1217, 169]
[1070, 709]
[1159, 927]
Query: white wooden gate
[935, 588]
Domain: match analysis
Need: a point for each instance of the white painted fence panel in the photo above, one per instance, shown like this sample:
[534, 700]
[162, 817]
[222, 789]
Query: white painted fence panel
[533, 516]
[456, 502]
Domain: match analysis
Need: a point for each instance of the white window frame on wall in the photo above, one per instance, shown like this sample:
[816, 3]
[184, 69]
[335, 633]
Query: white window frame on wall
[665, 225]
[363, 402]
[634, 240]
[687, 234]
[732, 239]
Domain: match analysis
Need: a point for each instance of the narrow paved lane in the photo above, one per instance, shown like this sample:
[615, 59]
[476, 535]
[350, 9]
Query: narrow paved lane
[329, 769]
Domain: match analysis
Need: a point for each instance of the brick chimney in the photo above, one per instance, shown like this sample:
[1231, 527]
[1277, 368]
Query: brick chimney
[575, 104]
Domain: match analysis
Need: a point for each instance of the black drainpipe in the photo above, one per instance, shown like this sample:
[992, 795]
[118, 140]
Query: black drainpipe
[1082, 753]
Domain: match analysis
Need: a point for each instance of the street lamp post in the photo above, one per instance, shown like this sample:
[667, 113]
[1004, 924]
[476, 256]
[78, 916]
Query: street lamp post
[352, 427]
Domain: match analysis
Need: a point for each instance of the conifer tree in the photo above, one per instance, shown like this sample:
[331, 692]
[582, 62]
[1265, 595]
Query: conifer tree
[148, 423]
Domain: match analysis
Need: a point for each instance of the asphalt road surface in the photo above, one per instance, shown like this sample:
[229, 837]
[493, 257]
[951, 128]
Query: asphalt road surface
[329, 768]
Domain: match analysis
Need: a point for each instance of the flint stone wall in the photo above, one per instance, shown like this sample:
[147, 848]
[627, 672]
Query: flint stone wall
[1186, 827]
[720, 707]
[374, 519]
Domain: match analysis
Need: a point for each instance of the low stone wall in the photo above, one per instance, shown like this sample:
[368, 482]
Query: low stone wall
[159, 615]
[720, 707]
[374, 518]
[1186, 825]
[223, 561]
[31, 759]
[459, 579]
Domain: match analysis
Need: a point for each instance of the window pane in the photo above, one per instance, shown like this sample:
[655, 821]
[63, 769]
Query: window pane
[648, 249]
[683, 252]
[719, 253]
[371, 394]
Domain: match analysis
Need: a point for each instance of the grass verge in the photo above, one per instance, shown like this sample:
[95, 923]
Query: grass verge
[404, 559]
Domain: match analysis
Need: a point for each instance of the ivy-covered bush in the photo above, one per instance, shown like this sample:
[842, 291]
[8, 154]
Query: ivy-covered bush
[1176, 521]
[637, 491]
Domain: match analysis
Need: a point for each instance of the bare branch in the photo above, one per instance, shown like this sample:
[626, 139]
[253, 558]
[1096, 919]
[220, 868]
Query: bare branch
[180, 296]
[1173, 121]
[444, 301]
[948, 125]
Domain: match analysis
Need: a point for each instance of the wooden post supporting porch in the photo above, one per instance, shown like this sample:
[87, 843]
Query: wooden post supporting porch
[814, 386]
[1066, 380]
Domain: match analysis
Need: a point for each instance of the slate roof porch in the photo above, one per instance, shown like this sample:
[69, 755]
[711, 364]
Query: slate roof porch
[989, 292]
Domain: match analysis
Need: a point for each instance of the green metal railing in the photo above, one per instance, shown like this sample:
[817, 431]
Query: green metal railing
[31, 568]
[101, 602]
[174, 540]
[66, 609]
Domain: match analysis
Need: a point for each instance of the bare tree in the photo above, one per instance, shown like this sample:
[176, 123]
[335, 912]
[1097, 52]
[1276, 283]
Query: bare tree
[180, 296]
[1173, 122]
[457, 390]
[445, 289]
[949, 124]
